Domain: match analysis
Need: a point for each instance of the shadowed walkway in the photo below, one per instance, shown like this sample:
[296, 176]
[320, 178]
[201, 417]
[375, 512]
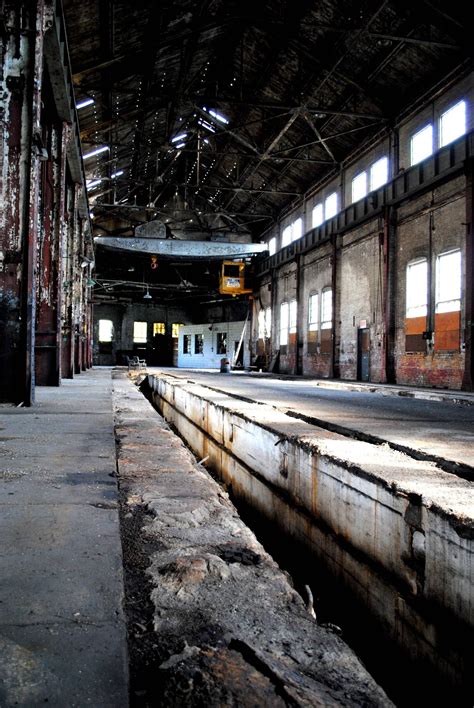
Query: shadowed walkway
[62, 630]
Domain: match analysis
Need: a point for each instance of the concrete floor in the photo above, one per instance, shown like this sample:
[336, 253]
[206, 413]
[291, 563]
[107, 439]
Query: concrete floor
[62, 630]
[440, 428]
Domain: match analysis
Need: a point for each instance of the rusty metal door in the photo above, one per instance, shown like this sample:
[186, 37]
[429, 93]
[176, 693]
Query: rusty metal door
[363, 353]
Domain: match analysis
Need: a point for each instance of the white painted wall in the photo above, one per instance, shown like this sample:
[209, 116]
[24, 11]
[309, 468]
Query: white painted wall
[210, 359]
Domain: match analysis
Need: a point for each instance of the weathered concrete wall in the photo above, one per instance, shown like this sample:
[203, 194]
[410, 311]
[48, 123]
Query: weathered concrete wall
[123, 316]
[226, 620]
[396, 533]
[427, 227]
[367, 263]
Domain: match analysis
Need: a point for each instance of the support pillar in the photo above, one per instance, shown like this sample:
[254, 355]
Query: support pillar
[20, 83]
[468, 378]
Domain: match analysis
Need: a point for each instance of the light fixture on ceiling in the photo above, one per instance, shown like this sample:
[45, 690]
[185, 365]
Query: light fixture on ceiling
[85, 103]
[98, 151]
[147, 295]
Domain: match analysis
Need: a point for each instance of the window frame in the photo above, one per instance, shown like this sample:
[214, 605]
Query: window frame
[443, 115]
[359, 177]
[372, 186]
[418, 309]
[138, 339]
[286, 236]
[313, 312]
[187, 339]
[320, 207]
[296, 229]
[293, 316]
[199, 337]
[110, 337]
[441, 306]
[159, 328]
[334, 195]
[412, 141]
[326, 297]
[284, 330]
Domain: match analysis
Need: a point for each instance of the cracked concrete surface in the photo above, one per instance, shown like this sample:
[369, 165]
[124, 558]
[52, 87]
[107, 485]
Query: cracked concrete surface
[230, 628]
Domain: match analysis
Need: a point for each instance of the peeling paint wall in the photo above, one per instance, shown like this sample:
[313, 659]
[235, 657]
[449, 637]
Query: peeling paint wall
[42, 237]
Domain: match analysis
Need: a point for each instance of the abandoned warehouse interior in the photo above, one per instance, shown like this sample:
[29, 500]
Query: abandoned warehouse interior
[275, 189]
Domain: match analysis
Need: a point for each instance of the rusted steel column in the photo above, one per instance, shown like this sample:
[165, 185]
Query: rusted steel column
[299, 316]
[21, 80]
[334, 364]
[468, 378]
[67, 313]
[48, 331]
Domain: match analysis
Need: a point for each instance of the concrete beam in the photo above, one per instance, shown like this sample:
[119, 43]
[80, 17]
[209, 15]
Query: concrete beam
[177, 249]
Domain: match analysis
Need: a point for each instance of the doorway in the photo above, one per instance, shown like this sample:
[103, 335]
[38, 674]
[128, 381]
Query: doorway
[363, 353]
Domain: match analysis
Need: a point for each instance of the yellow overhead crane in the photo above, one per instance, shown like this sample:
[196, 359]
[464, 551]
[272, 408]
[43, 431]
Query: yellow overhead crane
[232, 279]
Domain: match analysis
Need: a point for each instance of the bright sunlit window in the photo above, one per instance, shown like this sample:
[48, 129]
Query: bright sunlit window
[318, 215]
[448, 282]
[330, 206]
[284, 322]
[417, 288]
[421, 145]
[139, 332]
[292, 232]
[359, 186]
[326, 309]
[159, 328]
[452, 123]
[175, 327]
[268, 322]
[286, 237]
[272, 246]
[296, 229]
[293, 316]
[106, 330]
[313, 312]
[264, 323]
[378, 173]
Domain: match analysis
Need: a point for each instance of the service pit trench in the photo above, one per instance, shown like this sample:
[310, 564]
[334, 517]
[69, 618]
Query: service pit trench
[224, 625]
[310, 550]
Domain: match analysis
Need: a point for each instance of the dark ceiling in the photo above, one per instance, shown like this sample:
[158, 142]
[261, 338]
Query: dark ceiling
[302, 84]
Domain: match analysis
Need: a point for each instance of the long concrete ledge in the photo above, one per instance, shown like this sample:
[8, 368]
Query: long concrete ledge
[396, 533]
[229, 629]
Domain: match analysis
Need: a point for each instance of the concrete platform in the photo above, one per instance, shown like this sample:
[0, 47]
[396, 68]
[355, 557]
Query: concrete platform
[434, 425]
[394, 533]
[229, 629]
[62, 628]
